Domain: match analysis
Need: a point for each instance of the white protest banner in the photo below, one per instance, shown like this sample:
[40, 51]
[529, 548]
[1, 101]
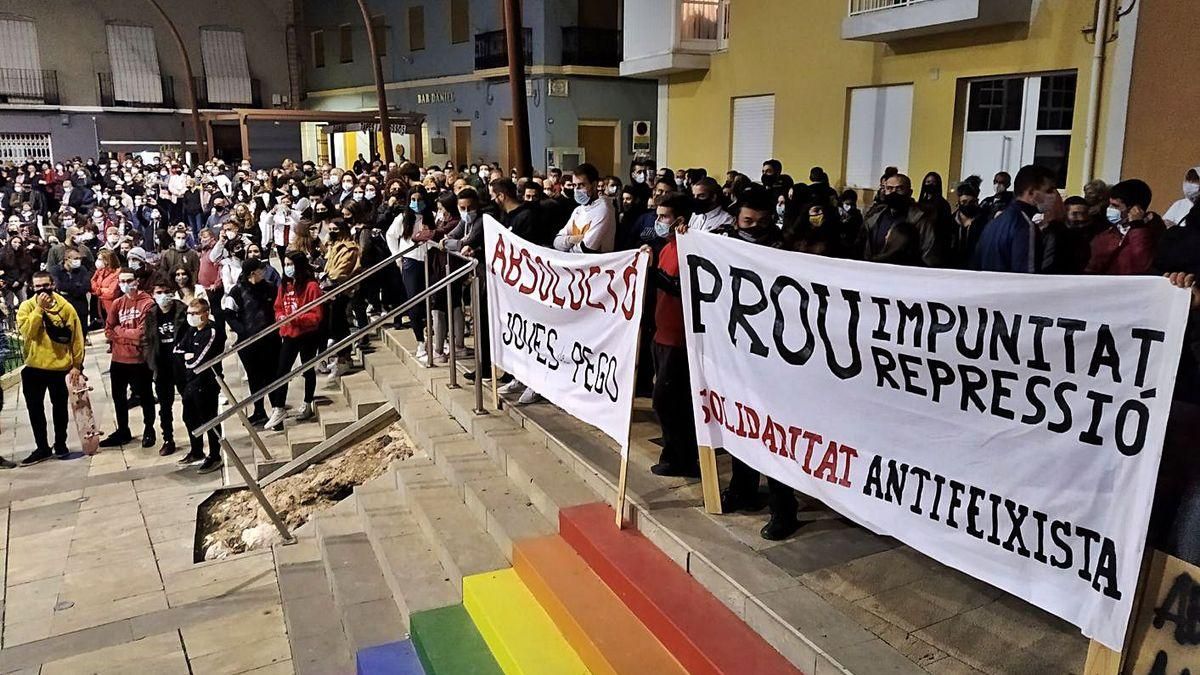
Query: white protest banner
[566, 324]
[1009, 426]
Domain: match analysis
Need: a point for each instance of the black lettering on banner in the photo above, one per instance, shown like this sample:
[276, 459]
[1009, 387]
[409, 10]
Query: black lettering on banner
[1039, 408]
[1106, 355]
[914, 314]
[880, 333]
[976, 350]
[800, 356]
[885, 363]
[740, 310]
[1141, 414]
[940, 375]
[1146, 339]
[1070, 328]
[937, 324]
[1040, 324]
[695, 264]
[1099, 400]
[1007, 336]
[852, 300]
[1182, 608]
[599, 371]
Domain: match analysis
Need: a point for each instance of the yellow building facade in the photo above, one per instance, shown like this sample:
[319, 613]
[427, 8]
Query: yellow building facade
[961, 79]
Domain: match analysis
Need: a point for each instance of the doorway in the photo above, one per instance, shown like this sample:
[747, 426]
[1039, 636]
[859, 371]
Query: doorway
[599, 139]
[1015, 121]
[462, 144]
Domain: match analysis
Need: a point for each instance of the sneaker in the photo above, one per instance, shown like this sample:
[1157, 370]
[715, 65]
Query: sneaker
[441, 359]
[505, 378]
[61, 453]
[209, 465]
[257, 419]
[276, 419]
[168, 448]
[779, 527]
[514, 387]
[116, 439]
[420, 350]
[307, 412]
[529, 396]
[323, 368]
[469, 376]
[732, 502]
[149, 438]
[7, 464]
[221, 400]
[192, 457]
[463, 353]
[339, 369]
[36, 457]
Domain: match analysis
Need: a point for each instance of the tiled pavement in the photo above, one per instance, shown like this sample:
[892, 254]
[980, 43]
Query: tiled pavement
[96, 562]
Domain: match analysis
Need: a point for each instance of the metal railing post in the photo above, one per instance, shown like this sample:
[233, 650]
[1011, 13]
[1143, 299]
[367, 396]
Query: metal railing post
[479, 409]
[451, 338]
[257, 492]
[236, 404]
[429, 348]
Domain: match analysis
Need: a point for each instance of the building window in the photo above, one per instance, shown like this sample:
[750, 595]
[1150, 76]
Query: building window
[346, 43]
[753, 133]
[1056, 107]
[995, 105]
[133, 57]
[226, 69]
[18, 148]
[879, 132]
[318, 48]
[20, 62]
[460, 21]
[379, 30]
[416, 28]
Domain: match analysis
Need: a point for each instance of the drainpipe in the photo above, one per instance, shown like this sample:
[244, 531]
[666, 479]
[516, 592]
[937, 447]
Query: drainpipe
[1100, 39]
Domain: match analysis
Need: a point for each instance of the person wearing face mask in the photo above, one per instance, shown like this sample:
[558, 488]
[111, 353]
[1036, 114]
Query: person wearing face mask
[708, 212]
[138, 261]
[969, 220]
[164, 325]
[1012, 242]
[279, 225]
[341, 262]
[180, 255]
[105, 285]
[1191, 196]
[125, 329]
[933, 200]
[1129, 244]
[592, 227]
[1002, 197]
[631, 207]
[71, 242]
[898, 231]
[73, 281]
[271, 275]
[200, 340]
[672, 383]
[18, 264]
[53, 338]
[300, 338]
[218, 214]
[251, 308]
[80, 198]
[850, 213]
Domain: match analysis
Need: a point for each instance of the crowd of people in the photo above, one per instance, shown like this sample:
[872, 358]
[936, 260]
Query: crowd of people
[167, 258]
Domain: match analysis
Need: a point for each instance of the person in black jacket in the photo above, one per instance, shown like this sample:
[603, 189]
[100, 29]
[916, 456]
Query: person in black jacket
[521, 218]
[202, 339]
[164, 325]
[254, 309]
[73, 281]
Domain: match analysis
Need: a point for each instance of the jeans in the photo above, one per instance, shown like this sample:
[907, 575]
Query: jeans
[166, 383]
[260, 362]
[134, 376]
[306, 347]
[35, 383]
[414, 283]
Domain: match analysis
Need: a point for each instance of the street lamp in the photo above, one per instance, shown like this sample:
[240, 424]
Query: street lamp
[201, 150]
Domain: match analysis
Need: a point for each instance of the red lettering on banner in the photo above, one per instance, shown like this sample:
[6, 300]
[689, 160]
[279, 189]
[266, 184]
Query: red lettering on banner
[629, 304]
[499, 257]
[812, 439]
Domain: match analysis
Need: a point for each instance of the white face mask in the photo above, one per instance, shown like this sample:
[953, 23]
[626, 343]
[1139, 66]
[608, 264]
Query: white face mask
[181, 244]
[193, 321]
[162, 299]
[100, 264]
[75, 264]
[135, 264]
[369, 194]
[128, 288]
[1191, 191]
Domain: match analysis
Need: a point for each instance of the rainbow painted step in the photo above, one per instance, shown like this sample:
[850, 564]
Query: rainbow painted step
[393, 658]
[447, 643]
[521, 635]
[692, 624]
[604, 632]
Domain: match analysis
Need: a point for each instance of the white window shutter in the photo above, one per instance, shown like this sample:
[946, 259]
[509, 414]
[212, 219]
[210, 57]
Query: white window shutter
[133, 56]
[226, 69]
[880, 129]
[21, 65]
[753, 133]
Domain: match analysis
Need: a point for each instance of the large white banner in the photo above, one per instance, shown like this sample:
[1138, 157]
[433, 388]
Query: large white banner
[1009, 426]
[566, 325]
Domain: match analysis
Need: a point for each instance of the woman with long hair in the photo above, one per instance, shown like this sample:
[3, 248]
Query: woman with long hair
[188, 289]
[412, 270]
[301, 337]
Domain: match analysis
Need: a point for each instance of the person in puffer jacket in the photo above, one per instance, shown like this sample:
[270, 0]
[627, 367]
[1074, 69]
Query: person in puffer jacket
[301, 337]
[250, 309]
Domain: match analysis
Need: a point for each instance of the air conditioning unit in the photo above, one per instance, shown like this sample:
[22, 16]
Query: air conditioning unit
[564, 158]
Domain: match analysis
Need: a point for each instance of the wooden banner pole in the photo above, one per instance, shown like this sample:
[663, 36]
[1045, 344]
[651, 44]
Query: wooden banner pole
[622, 479]
[710, 482]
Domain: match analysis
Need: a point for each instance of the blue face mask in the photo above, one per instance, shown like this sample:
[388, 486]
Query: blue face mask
[662, 228]
[582, 198]
[417, 205]
[289, 271]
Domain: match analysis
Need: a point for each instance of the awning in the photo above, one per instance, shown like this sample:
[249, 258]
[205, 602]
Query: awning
[368, 127]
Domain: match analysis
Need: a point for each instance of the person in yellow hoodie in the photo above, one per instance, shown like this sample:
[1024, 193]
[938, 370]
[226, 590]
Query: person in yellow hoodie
[53, 347]
[341, 262]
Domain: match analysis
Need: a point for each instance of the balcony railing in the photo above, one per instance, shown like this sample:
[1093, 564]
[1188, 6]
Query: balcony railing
[704, 24]
[109, 99]
[491, 50]
[597, 47]
[22, 85]
[204, 100]
[864, 6]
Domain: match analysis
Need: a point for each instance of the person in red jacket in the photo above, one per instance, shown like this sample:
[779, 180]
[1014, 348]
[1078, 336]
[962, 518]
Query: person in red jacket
[1129, 244]
[125, 328]
[105, 281]
[302, 337]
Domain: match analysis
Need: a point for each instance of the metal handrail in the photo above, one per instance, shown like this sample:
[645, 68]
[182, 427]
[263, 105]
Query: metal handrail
[325, 297]
[442, 283]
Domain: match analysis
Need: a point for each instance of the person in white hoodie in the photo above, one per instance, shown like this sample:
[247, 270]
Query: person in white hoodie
[1191, 195]
[399, 237]
[279, 225]
[592, 227]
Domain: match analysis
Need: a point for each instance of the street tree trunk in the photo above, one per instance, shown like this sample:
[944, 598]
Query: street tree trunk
[385, 125]
[201, 148]
[514, 39]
